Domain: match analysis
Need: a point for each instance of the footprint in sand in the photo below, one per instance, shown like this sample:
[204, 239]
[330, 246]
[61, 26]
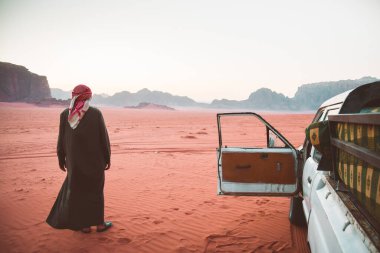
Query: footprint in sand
[208, 202]
[262, 213]
[260, 202]
[246, 218]
[124, 240]
[171, 209]
[156, 222]
[188, 213]
[248, 215]
[187, 249]
[273, 246]
[188, 137]
[105, 239]
[144, 218]
[230, 243]
[224, 207]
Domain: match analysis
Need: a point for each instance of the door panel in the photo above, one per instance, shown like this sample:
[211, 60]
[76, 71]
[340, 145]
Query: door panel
[264, 166]
[262, 172]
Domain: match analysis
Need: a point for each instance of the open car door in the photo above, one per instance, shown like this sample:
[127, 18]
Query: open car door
[254, 158]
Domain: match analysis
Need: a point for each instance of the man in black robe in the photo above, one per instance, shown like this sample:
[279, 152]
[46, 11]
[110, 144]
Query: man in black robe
[84, 150]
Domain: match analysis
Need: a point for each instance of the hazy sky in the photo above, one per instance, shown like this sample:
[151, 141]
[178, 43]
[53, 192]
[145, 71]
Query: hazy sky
[201, 49]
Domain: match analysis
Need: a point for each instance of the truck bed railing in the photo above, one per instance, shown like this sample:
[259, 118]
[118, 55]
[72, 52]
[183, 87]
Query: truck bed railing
[355, 142]
[368, 155]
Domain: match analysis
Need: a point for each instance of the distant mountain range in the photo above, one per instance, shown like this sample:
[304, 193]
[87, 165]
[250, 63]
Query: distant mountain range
[126, 98]
[18, 84]
[307, 97]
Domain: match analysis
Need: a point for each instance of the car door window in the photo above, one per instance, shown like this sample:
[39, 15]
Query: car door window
[248, 132]
[324, 116]
[244, 132]
[332, 111]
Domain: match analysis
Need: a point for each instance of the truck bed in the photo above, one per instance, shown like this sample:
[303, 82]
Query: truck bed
[357, 215]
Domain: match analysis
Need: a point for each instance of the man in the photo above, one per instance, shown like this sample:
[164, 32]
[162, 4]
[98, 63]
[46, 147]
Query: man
[83, 150]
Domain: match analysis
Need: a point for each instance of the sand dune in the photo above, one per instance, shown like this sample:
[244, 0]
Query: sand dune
[160, 191]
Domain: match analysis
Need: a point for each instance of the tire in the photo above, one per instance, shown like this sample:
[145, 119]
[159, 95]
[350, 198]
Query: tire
[296, 214]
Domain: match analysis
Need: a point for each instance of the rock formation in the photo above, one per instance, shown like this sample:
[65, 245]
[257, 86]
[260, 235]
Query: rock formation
[18, 84]
[150, 106]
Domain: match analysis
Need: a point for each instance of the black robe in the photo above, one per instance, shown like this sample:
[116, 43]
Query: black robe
[85, 151]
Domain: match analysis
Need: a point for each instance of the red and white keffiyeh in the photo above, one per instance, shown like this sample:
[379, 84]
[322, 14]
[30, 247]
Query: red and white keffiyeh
[79, 104]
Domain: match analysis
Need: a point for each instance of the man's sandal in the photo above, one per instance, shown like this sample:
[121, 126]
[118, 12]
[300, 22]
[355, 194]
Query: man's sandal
[106, 226]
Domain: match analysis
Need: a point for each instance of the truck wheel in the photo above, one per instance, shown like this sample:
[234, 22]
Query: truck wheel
[296, 215]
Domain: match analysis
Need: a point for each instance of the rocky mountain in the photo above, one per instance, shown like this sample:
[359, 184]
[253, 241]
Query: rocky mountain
[151, 106]
[18, 84]
[307, 97]
[226, 103]
[266, 99]
[60, 94]
[311, 96]
[126, 98]
[261, 99]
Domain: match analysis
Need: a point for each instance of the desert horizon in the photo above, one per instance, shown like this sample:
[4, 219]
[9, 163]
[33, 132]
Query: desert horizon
[160, 192]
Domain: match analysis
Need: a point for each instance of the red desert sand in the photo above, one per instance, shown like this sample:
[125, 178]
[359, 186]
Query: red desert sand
[160, 192]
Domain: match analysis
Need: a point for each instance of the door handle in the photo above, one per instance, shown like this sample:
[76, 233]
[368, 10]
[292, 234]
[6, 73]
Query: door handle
[244, 166]
[309, 179]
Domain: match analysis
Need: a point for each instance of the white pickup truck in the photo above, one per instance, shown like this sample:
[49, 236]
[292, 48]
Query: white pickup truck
[338, 199]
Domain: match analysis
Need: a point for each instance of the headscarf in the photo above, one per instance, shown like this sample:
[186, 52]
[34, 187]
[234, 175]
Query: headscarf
[80, 103]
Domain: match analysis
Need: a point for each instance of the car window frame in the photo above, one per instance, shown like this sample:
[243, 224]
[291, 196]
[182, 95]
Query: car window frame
[314, 153]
